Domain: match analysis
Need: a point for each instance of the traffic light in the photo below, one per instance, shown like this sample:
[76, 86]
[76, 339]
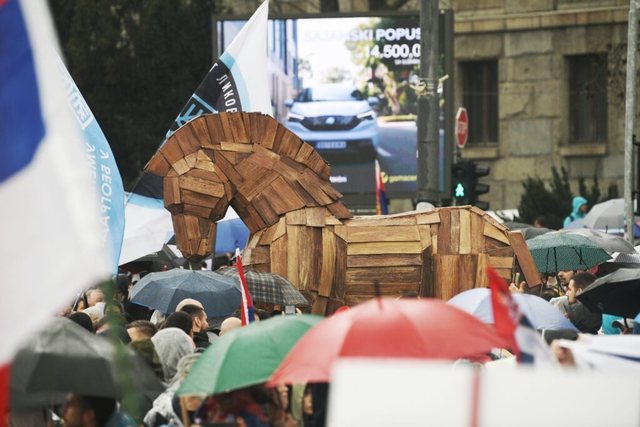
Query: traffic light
[460, 184]
[478, 188]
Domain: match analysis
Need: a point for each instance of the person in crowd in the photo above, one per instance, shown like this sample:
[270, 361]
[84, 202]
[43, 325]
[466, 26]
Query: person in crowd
[87, 411]
[94, 296]
[540, 222]
[172, 344]
[180, 320]
[82, 319]
[199, 325]
[141, 329]
[580, 209]
[189, 301]
[163, 413]
[229, 324]
[145, 348]
[583, 318]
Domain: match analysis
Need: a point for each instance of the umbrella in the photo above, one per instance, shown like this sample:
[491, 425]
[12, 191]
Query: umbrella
[616, 293]
[608, 242]
[268, 287]
[540, 312]
[531, 232]
[514, 225]
[556, 251]
[66, 358]
[404, 328]
[605, 215]
[220, 295]
[246, 356]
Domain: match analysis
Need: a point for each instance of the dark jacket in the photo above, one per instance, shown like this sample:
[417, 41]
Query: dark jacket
[583, 318]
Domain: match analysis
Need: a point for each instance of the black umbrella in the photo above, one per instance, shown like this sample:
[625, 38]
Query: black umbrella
[67, 358]
[616, 293]
[220, 295]
[609, 242]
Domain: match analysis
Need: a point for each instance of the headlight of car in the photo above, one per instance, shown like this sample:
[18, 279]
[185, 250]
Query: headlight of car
[367, 115]
[293, 117]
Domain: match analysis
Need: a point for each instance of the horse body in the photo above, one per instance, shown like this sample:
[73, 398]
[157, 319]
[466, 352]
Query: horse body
[279, 186]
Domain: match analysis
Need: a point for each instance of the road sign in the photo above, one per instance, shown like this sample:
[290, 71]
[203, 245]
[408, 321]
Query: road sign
[462, 127]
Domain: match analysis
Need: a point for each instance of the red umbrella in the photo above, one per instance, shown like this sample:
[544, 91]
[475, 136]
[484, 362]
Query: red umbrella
[405, 328]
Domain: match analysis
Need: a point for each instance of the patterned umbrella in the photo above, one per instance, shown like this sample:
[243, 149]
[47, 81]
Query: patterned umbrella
[268, 287]
[555, 251]
[609, 242]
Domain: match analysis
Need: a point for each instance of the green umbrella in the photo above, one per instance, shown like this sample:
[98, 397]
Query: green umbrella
[555, 251]
[245, 356]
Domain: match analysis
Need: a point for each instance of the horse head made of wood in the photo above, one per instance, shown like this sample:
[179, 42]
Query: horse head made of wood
[246, 160]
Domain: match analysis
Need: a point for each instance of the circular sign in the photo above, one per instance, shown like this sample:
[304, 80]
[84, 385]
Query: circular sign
[462, 127]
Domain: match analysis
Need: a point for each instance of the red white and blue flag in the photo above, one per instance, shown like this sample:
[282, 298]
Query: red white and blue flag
[51, 245]
[246, 303]
[515, 327]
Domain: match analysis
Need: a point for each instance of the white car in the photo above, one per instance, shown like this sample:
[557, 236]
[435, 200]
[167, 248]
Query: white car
[335, 118]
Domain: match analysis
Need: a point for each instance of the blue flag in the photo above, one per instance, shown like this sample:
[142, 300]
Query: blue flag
[103, 169]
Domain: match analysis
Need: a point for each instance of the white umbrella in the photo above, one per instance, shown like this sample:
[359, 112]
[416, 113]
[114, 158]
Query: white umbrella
[606, 215]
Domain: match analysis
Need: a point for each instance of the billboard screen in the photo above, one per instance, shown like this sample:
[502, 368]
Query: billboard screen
[346, 86]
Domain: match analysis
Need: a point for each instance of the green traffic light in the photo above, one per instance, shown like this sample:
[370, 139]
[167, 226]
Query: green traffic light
[459, 191]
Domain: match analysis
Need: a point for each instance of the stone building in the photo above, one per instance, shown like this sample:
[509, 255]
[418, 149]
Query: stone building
[543, 82]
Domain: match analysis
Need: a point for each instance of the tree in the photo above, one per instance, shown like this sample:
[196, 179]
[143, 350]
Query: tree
[136, 63]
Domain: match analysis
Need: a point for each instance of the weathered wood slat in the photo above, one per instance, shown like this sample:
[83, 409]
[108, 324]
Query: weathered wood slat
[492, 231]
[197, 185]
[327, 267]
[428, 218]
[278, 256]
[297, 217]
[400, 233]
[524, 259]
[501, 262]
[340, 275]
[373, 221]
[158, 165]
[384, 260]
[384, 275]
[465, 232]
[384, 248]
[315, 216]
[447, 275]
[444, 238]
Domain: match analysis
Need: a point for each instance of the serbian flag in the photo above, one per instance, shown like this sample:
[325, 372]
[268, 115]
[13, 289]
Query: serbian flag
[246, 303]
[515, 327]
[381, 195]
[238, 81]
[50, 244]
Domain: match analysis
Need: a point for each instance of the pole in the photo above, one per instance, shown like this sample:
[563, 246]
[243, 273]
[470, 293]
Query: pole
[428, 134]
[629, 117]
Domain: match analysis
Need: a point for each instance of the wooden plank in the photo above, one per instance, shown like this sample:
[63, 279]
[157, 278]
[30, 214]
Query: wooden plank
[263, 157]
[384, 248]
[278, 256]
[368, 291]
[205, 166]
[257, 255]
[424, 230]
[312, 185]
[198, 185]
[331, 220]
[238, 147]
[477, 226]
[482, 280]
[385, 275]
[192, 226]
[280, 133]
[171, 191]
[237, 128]
[187, 141]
[264, 208]
[400, 233]
[198, 199]
[434, 238]
[328, 262]
[501, 262]
[340, 271]
[214, 127]
[320, 305]
[465, 232]
[267, 134]
[306, 279]
[315, 217]
[524, 259]
[381, 221]
[432, 217]
[200, 131]
[256, 185]
[492, 231]
[282, 197]
[427, 280]
[158, 165]
[384, 260]
[341, 231]
[304, 152]
[228, 169]
[319, 165]
[454, 234]
[293, 253]
[339, 210]
[172, 151]
[254, 239]
[279, 229]
[195, 210]
[289, 145]
[303, 193]
[468, 267]
[181, 167]
[180, 230]
[227, 133]
[297, 217]
[333, 305]
[267, 236]
[447, 274]
[444, 236]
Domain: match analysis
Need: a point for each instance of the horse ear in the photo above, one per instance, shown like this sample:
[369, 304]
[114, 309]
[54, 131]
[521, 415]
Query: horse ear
[158, 165]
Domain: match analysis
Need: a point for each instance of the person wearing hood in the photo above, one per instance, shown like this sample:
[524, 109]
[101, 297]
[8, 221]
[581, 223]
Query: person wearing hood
[580, 208]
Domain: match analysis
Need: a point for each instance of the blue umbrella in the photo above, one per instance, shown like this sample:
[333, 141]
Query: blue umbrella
[220, 295]
[541, 313]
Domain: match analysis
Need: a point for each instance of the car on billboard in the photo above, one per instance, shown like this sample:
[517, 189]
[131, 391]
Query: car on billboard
[336, 119]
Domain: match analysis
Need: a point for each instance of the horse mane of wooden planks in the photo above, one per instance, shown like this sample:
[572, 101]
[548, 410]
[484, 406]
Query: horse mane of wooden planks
[279, 186]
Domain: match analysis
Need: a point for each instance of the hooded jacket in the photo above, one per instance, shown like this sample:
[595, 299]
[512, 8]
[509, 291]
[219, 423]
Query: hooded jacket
[577, 203]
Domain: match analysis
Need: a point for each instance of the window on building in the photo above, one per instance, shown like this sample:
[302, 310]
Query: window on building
[588, 98]
[480, 98]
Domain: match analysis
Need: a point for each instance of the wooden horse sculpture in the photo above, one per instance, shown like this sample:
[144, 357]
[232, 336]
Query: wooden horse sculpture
[279, 186]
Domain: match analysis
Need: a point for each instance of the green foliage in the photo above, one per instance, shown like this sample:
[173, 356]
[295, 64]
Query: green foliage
[554, 203]
[136, 62]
